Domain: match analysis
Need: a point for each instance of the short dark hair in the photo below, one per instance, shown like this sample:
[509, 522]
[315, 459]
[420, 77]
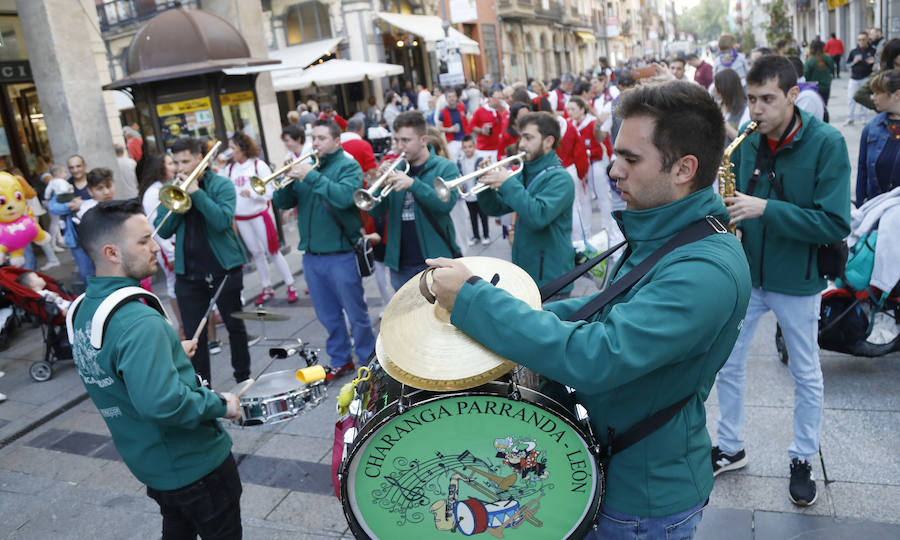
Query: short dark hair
[765, 51]
[546, 124]
[679, 59]
[773, 67]
[410, 119]
[103, 223]
[468, 138]
[797, 64]
[691, 56]
[520, 95]
[355, 124]
[579, 103]
[333, 129]
[25, 277]
[74, 156]
[99, 175]
[679, 108]
[246, 144]
[188, 144]
[295, 132]
[890, 53]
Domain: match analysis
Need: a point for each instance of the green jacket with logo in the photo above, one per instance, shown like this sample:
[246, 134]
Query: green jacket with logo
[334, 180]
[813, 171]
[162, 422]
[215, 200]
[422, 188]
[542, 244]
[661, 341]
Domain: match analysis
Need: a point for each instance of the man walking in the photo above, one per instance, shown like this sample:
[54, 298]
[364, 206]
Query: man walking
[861, 61]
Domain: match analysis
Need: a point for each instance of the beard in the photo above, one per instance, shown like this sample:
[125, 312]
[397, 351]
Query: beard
[537, 154]
[137, 268]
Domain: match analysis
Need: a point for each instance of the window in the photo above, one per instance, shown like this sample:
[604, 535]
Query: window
[307, 22]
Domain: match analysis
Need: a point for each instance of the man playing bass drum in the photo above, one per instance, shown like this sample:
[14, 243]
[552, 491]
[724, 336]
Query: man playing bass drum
[653, 350]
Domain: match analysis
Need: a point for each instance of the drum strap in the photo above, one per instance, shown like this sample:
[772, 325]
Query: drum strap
[107, 308]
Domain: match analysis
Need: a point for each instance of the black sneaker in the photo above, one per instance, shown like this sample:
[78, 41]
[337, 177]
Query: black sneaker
[803, 486]
[214, 347]
[722, 462]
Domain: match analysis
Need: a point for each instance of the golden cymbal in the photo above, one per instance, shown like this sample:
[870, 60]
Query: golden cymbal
[259, 315]
[418, 346]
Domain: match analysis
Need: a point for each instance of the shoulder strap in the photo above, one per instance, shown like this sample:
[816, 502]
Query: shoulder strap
[70, 317]
[437, 229]
[330, 210]
[698, 230]
[645, 427]
[563, 281]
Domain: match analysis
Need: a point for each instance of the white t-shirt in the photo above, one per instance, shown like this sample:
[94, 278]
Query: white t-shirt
[249, 203]
[150, 202]
[56, 186]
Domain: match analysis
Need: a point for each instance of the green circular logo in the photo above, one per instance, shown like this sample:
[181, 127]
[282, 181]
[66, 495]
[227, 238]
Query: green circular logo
[470, 465]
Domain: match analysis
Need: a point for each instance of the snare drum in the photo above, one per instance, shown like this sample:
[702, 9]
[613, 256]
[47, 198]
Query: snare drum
[427, 463]
[276, 397]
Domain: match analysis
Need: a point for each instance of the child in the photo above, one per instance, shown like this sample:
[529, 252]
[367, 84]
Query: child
[101, 188]
[469, 163]
[37, 284]
[56, 184]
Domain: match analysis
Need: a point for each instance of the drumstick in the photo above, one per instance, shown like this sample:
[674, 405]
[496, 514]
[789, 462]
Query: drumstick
[250, 382]
[209, 309]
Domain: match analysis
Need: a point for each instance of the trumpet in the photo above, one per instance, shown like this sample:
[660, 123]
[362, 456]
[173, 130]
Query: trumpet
[259, 184]
[174, 197]
[443, 188]
[725, 173]
[365, 199]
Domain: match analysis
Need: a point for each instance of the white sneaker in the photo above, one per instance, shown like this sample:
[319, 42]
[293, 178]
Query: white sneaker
[485, 241]
[472, 241]
[849, 122]
[58, 249]
[50, 264]
[2, 373]
[2, 398]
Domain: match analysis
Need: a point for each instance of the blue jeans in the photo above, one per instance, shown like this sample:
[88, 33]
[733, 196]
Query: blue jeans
[799, 320]
[613, 525]
[335, 287]
[405, 274]
[84, 263]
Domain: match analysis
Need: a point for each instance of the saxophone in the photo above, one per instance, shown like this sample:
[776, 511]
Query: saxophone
[726, 174]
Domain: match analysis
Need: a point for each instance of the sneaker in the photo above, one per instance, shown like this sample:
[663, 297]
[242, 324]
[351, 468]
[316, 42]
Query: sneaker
[472, 241]
[58, 249]
[252, 340]
[214, 347]
[50, 264]
[485, 241]
[292, 295]
[334, 373]
[264, 296]
[802, 487]
[722, 462]
[2, 397]
[849, 122]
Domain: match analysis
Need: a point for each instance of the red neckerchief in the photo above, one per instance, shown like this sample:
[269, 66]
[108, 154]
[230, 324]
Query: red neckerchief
[775, 146]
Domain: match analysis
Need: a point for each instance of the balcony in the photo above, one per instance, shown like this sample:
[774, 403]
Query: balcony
[515, 9]
[114, 14]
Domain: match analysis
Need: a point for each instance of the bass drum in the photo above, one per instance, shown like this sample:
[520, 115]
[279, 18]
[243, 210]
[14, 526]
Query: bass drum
[431, 464]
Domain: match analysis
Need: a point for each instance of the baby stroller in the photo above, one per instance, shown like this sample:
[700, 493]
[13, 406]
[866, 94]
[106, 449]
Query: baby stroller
[860, 314]
[30, 305]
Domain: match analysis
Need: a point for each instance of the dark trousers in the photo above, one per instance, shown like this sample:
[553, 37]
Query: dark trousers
[837, 65]
[825, 93]
[210, 507]
[475, 212]
[193, 298]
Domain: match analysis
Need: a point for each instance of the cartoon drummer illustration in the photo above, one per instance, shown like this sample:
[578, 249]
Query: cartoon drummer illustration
[521, 455]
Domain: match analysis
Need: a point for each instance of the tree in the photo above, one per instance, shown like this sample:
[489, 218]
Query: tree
[707, 20]
[779, 25]
[748, 42]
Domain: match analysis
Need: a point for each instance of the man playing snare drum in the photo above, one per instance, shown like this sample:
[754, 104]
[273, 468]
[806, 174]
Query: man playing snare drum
[654, 348]
[163, 423]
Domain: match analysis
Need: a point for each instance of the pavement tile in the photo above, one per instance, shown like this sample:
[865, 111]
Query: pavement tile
[259, 501]
[285, 473]
[315, 513]
[13, 410]
[258, 529]
[27, 460]
[115, 477]
[738, 523]
[21, 483]
[297, 447]
[87, 422]
[858, 443]
[876, 502]
[745, 492]
[797, 526]
[861, 383]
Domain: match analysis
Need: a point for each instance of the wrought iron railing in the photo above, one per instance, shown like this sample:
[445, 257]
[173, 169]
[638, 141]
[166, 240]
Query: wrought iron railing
[117, 13]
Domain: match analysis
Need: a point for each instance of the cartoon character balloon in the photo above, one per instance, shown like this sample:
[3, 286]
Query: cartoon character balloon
[18, 227]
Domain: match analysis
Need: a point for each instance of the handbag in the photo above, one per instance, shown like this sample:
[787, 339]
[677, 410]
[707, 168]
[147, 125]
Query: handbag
[362, 249]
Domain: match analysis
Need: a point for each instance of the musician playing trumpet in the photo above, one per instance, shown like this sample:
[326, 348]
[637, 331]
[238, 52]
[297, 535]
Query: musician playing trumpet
[329, 225]
[419, 224]
[542, 195]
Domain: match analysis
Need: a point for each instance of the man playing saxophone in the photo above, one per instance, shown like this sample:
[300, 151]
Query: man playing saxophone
[793, 195]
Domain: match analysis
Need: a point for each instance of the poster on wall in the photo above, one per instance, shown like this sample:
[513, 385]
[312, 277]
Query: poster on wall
[188, 118]
[463, 11]
[450, 65]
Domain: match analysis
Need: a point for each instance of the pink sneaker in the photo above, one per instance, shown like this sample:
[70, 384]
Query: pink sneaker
[292, 295]
[264, 296]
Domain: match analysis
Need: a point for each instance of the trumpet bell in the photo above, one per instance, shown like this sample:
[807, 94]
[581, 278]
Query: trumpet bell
[442, 189]
[175, 198]
[258, 185]
[364, 200]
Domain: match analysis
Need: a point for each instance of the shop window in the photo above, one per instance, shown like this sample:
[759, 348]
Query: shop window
[307, 22]
[397, 6]
[12, 42]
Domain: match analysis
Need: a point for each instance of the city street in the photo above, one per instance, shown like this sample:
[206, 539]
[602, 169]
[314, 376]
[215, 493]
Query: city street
[61, 477]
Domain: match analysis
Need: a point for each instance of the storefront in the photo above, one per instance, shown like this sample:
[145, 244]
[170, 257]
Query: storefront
[23, 134]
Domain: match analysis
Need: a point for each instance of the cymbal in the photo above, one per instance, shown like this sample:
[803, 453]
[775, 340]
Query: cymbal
[418, 346]
[259, 315]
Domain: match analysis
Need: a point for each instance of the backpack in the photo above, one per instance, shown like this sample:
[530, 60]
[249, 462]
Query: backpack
[860, 263]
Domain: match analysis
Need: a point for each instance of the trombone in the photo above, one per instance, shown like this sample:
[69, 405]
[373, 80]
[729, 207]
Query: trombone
[443, 188]
[259, 184]
[365, 199]
[174, 197]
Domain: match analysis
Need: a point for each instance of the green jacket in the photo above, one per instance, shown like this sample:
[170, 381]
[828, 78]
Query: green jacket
[215, 200]
[823, 75]
[863, 95]
[334, 180]
[542, 245]
[661, 341]
[162, 422]
[813, 171]
[430, 242]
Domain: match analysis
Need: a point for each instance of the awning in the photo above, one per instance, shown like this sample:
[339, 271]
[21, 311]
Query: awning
[429, 27]
[123, 100]
[336, 71]
[586, 37]
[297, 56]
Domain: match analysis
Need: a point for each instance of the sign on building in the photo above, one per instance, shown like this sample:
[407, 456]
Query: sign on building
[463, 11]
[450, 66]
